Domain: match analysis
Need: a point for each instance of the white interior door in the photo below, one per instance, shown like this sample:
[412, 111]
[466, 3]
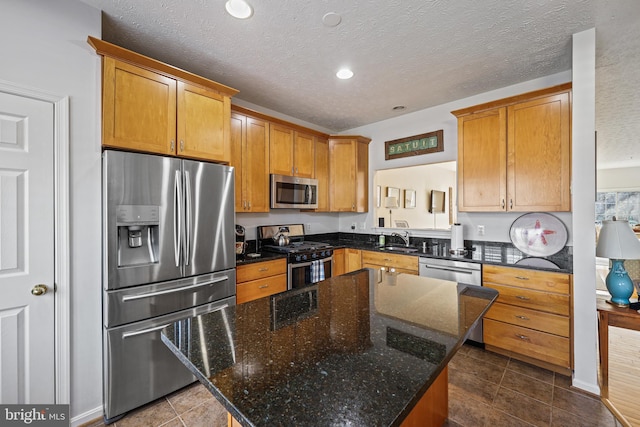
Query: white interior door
[26, 250]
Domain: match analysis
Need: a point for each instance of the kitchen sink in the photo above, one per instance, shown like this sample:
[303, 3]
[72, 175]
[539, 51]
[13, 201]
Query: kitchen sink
[405, 249]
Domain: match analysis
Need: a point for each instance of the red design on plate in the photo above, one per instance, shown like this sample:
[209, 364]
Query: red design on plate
[539, 233]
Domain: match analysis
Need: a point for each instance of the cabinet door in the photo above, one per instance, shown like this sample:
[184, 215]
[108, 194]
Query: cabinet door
[352, 260]
[539, 155]
[338, 262]
[256, 165]
[203, 124]
[322, 173]
[342, 175]
[362, 177]
[138, 109]
[303, 155]
[482, 153]
[280, 149]
[238, 137]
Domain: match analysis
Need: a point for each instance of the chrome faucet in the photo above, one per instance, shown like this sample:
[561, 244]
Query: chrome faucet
[404, 236]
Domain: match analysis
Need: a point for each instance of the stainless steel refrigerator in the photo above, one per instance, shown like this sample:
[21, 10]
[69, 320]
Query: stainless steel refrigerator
[169, 254]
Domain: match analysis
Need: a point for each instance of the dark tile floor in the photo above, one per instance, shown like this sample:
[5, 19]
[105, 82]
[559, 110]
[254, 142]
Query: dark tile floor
[485, 389]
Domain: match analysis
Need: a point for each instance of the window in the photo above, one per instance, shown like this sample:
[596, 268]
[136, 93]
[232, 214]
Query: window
[624, 205]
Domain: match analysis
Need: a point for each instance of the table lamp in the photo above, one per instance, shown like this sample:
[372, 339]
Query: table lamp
[390, 203]
[618, 242]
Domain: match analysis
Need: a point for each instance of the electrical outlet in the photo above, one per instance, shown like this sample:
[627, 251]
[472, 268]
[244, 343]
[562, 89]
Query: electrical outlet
[307, 228]
[481, 230]
[363, 225]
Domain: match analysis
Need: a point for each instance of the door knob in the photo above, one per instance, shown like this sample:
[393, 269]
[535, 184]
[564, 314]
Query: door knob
[38, 290]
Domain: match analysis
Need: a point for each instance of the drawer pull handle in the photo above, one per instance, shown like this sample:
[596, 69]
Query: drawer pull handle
[522, 278]
[522, 297]
[263, 269]
[263, 286]
[522, 337]
[522, 317]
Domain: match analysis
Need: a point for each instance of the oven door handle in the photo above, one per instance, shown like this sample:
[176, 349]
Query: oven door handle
[306, 264]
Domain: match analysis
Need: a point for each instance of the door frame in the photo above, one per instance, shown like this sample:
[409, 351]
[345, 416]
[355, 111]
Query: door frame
[61, 300]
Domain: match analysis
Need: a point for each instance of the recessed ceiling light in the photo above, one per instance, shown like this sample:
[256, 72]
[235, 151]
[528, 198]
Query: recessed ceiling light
[398, 108]
[239, 9]
[331, 19]
[344, 74]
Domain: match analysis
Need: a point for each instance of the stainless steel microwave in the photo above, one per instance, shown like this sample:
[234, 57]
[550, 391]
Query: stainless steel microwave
[292, 192]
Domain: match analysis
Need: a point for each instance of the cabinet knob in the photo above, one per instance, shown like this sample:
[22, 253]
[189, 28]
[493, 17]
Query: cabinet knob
[510, 203]
[522, 298]
[181, 145]
[522, 278]
[522, 317]
[173, 145]
[263, 269]
[249, 205]
[522, 337]
[502, 204]
[263, 286]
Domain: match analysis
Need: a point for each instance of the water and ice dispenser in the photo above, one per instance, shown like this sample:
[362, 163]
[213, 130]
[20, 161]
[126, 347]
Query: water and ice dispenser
[137, 234]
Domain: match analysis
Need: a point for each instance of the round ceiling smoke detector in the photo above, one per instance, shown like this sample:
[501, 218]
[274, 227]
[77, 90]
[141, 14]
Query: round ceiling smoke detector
[331, 19]
[239, 9]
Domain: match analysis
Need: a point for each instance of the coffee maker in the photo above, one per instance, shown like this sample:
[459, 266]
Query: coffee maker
[241, 246]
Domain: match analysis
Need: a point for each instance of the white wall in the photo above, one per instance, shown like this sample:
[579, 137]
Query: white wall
[583, 201]
[622, 179]
[44, 47]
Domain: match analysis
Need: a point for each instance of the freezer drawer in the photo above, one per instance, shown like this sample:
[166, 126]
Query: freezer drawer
[138, 367]
[143, 302]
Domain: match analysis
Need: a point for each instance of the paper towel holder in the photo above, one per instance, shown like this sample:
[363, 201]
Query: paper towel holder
[457, 251]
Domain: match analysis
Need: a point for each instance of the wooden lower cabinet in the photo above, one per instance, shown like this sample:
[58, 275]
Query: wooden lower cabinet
[531, 319]
[386, 264]
[260, 279]
[338, 262]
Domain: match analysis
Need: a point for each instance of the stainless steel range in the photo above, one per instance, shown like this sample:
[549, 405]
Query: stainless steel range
[308, 262]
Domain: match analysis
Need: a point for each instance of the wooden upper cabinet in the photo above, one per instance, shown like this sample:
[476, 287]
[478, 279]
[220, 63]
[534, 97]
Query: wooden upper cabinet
[482, 169]
[291, 152]
[515, 154]
[138, 108]
[281, 150]
[250, 157]
[203, 124]
[153, 107]
[348, 173]
[304, 155]
[322, 173]
[539, 154]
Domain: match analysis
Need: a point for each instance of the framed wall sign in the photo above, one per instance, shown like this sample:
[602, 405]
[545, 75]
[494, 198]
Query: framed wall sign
[416, 145]
[409, 199]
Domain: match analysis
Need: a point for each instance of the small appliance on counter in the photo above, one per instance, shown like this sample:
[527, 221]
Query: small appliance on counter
[241, 245]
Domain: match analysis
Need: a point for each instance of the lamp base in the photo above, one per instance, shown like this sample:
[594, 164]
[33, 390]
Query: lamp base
[619, 284]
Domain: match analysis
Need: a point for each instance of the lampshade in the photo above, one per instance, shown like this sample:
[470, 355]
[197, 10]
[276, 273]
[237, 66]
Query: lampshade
[617, 241]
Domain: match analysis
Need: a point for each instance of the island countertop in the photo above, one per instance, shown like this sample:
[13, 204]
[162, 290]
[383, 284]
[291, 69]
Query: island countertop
[350, 350]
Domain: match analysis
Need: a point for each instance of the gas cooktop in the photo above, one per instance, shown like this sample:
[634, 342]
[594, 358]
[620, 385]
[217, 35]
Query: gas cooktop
[298, 246]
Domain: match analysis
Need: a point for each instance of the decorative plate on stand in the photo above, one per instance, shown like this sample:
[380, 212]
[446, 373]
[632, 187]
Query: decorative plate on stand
[538, 234]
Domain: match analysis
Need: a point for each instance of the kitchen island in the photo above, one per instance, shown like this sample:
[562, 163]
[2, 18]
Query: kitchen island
[350, 350]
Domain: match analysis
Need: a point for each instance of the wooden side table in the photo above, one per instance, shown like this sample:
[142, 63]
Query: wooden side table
[622, 317]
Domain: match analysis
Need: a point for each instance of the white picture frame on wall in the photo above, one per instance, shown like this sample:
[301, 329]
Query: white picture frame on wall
[409, 199]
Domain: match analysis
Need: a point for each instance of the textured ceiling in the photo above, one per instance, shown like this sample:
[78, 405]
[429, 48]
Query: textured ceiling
[416, 53]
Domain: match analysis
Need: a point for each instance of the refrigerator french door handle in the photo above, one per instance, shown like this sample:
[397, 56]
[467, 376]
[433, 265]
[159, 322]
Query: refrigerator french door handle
[177, 218]
[187, 232]
[169, 291]
[144, 331]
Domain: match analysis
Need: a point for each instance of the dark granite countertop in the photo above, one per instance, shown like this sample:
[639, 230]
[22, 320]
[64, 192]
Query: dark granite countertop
[346, 351]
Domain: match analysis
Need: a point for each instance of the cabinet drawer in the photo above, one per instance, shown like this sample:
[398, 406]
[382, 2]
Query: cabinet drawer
[406, 262]
[536, 300]
[545, 322]
[259, 270]
[539, 345]
[531, 279]
[255, 289]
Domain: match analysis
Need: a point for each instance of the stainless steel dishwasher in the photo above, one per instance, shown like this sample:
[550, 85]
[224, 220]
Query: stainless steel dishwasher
[469, 273]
